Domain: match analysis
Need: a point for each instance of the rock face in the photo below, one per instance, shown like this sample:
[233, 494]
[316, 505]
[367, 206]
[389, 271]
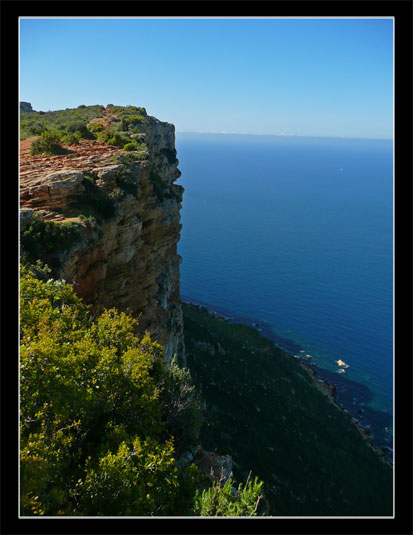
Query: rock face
[26, 106]
[128, 260]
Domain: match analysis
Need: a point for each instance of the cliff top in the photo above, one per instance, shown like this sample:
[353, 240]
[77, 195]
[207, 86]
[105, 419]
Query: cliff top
[79, 152]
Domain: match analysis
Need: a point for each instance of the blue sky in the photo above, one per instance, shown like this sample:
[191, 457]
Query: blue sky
[315, 77]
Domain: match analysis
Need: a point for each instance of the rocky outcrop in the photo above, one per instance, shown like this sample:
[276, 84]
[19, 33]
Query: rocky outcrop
[26, 106]
[127, 254]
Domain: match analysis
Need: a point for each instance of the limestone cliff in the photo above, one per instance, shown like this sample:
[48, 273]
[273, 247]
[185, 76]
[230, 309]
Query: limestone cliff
[126, 252]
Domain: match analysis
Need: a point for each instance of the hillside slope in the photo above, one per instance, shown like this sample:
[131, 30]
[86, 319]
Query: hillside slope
[262, 407]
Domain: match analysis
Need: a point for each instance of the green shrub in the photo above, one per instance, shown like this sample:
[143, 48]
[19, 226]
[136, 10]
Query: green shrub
[127, 180]
[181, 406]
[46, 240]
[40, 270]
[96, 127]
[48, 143]
[129, 158]
[123, 125]
[36, 122]
[131, 146]
[92, 440]
[222, 501]
[70, 139]
[112, 138]
[95, 203]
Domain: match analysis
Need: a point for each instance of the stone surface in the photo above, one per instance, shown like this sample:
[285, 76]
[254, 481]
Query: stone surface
[217, 467]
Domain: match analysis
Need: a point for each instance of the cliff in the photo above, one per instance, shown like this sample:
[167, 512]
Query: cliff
[124, 219]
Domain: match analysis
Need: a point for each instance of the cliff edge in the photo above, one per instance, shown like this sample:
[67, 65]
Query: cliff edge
[108, 221]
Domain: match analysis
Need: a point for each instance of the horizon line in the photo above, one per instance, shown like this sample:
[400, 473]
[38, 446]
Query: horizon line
[282, 135]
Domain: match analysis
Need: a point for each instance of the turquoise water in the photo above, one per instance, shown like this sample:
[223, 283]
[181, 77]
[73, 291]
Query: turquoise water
[297, 234]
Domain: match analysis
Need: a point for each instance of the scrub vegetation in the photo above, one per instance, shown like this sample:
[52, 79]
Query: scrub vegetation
[102, 419]
[262, 409]
[69, 126]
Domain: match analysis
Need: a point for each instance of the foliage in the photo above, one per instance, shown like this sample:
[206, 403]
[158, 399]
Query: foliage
[95, 202]
[70, 139]
[92, 436]
[222, 501]
[96, 127]
[79, 128]
[34, 123]
[47, 240]
[130, 121]
[129, 158]
[40, 270]
[181, 406]
[48, 143]
[112, 138]
[131, 146]
[127, 180]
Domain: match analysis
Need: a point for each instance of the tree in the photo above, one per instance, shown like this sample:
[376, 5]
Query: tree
[93, 441]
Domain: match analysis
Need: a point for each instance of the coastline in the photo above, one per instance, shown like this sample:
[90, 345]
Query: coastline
[317, 374]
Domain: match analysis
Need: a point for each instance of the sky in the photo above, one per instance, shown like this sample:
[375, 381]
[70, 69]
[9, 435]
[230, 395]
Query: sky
[304, 76]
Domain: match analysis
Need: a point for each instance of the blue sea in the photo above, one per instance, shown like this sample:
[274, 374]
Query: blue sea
[295, 234]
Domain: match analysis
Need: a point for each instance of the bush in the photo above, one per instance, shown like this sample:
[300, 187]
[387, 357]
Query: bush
[46, 240]
[131, 146]
[181, 406]
[222, 501]
[127, 180]
[112, 138]
[129, 158]
[92, 438]
[48, 143]
[81, 130]
[94, 203]
[96, 127]
[70, 139]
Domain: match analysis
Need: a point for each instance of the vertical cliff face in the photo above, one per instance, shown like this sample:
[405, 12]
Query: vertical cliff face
[125, 252]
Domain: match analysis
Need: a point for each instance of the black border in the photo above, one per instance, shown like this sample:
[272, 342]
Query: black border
[402, 12]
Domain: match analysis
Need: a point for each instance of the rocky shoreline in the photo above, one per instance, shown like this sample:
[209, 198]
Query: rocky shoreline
[330, 391]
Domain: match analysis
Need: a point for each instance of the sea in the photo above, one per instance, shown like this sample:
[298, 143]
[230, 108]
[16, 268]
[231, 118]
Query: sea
[294, 235]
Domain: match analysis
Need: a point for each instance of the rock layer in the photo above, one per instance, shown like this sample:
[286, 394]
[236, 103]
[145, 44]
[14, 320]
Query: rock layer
[129, 260]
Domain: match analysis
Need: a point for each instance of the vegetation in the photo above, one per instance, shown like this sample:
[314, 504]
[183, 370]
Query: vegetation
[96, 127]
[33, 123]
[263, 410]
[69, 126]
[48, 143]
[130, 158]
[112, 138]
[222, 501]
[48, 240]
[102, 417]
[95, 202]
